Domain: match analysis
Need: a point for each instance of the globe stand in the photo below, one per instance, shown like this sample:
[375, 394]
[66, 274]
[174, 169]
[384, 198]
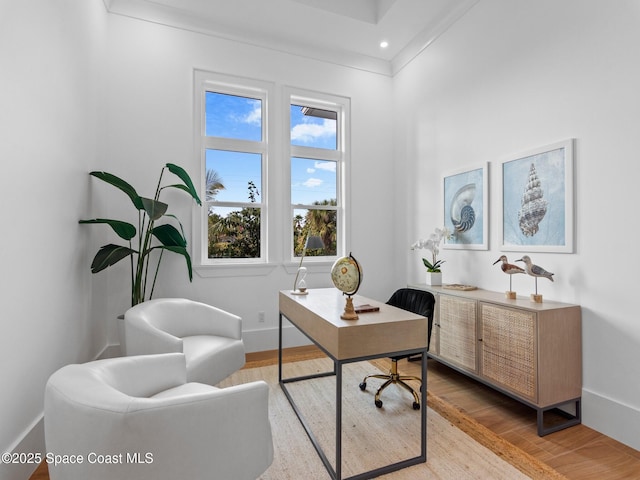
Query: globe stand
[346, 275]
[349, 311]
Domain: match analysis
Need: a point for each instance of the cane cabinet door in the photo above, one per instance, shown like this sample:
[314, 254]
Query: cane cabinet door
[457, 333]
[508, 349]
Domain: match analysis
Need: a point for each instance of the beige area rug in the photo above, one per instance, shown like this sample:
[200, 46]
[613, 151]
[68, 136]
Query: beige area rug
[374, 437]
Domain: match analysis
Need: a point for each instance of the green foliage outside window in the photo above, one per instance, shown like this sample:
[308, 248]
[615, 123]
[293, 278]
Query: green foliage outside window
[317, 222]
[237, 235]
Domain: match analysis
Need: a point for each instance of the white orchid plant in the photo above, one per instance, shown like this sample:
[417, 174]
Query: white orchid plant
[433, 245]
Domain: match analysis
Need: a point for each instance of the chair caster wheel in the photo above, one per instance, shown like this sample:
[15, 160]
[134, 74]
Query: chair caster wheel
[416, 406]
[363, 386]
[379, 403]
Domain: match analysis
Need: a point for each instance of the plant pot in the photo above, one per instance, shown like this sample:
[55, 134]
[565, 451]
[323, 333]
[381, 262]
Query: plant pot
[121, 337]
[434, 278]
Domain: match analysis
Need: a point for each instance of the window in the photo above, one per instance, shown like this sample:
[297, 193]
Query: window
[317, 157]
[244, 138]
[233, 148]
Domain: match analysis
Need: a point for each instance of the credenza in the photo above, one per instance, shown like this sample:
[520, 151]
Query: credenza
[527, 350]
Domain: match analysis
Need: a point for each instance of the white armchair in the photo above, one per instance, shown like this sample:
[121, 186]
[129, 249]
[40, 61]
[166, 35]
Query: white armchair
[137, 417]
[210, 338]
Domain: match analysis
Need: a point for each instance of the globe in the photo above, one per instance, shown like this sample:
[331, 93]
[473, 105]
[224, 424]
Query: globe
[346, 275]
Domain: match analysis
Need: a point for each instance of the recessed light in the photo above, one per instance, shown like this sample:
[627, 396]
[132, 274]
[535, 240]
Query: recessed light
[384, 44]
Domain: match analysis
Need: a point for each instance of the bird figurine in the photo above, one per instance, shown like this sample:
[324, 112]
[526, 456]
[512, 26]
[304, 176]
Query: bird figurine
[509, 269]
[535, 271]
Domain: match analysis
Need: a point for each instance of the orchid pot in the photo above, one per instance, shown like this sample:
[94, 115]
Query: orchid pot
[434, 278]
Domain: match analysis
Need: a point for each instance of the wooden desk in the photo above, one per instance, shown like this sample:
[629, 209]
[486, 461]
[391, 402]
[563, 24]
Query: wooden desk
[388, 332]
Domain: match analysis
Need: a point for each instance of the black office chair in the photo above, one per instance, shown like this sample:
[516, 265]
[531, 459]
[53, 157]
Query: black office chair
[416, 301]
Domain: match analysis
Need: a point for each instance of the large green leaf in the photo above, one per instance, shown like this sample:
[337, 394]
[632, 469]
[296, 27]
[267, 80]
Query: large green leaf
[182, 251]
[154, 208]
[125, 230]
[122, 185]
[168, 235]
[179, 223]
[109, 255]
[188, 184]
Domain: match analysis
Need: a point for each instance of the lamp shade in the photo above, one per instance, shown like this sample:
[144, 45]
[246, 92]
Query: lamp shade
[313, 242]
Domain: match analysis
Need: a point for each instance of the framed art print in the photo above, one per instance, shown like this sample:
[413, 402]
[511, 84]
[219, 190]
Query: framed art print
[537, 200]
[466, 207]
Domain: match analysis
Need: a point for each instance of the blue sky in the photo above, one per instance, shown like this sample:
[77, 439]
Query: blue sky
[238, 117]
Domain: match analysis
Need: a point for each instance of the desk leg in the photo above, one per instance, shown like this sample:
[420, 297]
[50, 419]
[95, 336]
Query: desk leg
[336, 473]
[423, 396]
[280, 347]
[338, 369]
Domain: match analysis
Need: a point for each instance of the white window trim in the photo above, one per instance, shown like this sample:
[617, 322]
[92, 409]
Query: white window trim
[203, 81]
[342, 156]
[276, 175]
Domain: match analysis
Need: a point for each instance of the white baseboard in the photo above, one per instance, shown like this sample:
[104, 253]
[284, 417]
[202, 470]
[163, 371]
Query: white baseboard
[110, 351]
[267, 339]
[612, 418]
[254, 341]
[32, 441]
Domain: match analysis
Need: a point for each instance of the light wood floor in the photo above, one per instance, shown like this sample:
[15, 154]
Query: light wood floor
[578, 452]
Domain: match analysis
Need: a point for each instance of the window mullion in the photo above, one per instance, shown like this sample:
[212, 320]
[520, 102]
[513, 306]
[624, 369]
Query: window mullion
[315, 153]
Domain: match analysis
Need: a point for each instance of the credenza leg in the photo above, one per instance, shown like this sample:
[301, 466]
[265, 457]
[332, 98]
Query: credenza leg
[571, 420]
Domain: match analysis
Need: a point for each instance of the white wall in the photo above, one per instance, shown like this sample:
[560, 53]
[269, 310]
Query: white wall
[49, 55]
[149, 121]
[514, 75]
[83, 90]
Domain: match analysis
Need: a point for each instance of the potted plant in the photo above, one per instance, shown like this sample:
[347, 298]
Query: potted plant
[434, 273]
[151, 236]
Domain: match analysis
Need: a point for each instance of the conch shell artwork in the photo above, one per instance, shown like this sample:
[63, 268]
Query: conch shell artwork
[462, 214]
[534, 206]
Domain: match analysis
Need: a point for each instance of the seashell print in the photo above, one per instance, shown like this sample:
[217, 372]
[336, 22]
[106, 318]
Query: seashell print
[462, 214]
[534, 206]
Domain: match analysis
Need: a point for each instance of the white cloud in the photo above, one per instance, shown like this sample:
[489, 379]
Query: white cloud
[313, 182]
[254, 117]
[308, 132]
[326, 166]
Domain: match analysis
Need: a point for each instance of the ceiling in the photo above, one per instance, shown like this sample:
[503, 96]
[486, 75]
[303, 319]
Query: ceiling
[345, 32]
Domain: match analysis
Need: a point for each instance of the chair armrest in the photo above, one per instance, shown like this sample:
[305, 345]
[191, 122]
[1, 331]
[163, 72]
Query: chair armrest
[203, 319]
[107, 384]
[143, 338]
[228, 428]
[180, 317]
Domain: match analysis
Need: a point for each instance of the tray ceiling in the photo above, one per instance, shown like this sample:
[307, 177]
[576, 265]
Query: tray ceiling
[346, 32]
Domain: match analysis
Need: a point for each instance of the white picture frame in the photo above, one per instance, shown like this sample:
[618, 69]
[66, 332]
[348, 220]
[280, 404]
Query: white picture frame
[467, 190]
[536, 205]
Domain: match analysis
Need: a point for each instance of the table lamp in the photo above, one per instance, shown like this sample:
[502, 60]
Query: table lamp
[313, 242]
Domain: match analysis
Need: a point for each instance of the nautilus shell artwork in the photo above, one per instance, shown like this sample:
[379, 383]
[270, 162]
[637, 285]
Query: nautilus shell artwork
[462, 214]
[534, 206]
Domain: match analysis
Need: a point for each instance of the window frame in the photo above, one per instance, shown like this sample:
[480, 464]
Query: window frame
[226, 84]
[341, 155]
[276, 223]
